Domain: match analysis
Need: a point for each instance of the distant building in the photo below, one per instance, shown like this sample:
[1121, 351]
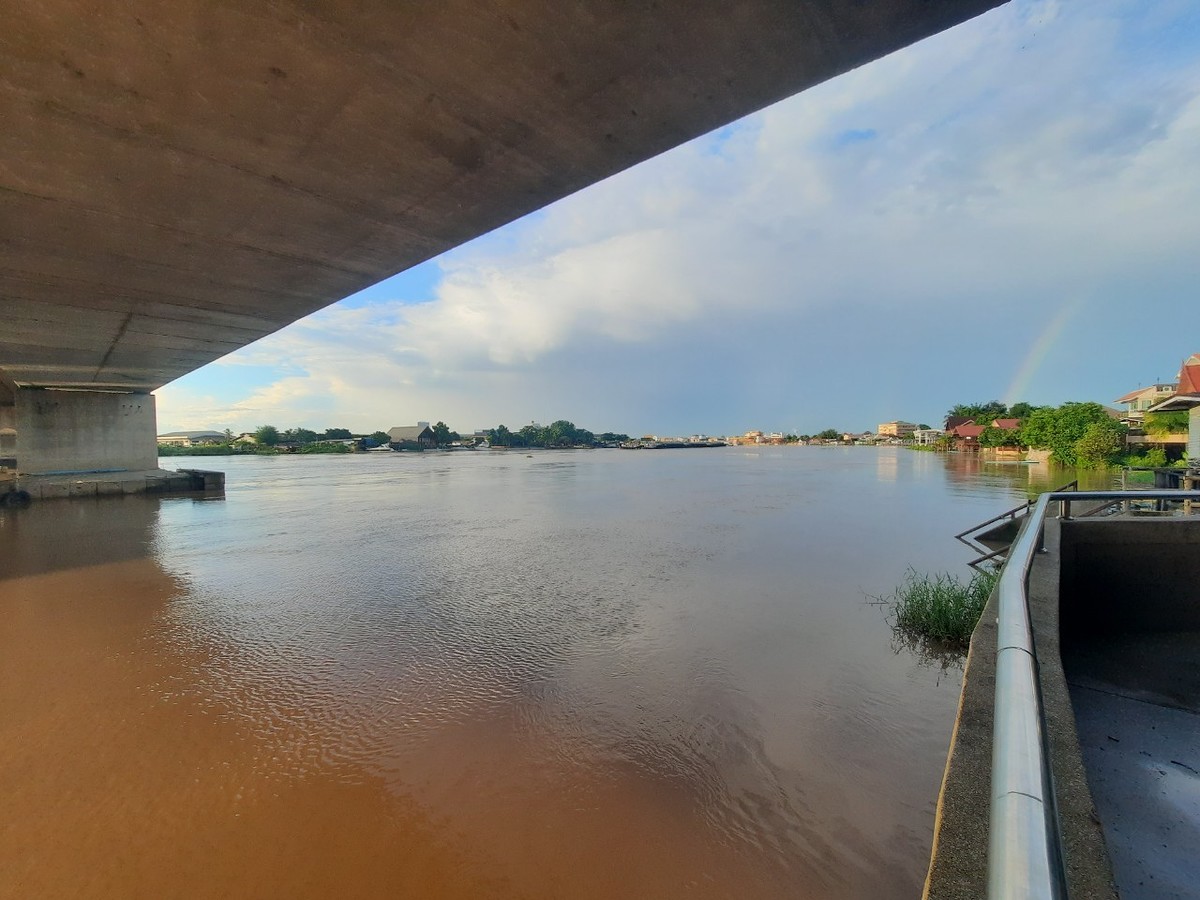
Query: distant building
[1138, 403]
[924, 437]
[411, 437]
[1006, 424]
[191, 438]
[1187, 396]
[896, 429]
[966, 436]
[953, 422]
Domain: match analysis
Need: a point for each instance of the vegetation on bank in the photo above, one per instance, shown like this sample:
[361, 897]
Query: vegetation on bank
[557, 434]
[243, 448]
[939, 607]
[268, 439]
[1082, 435]
[206, 450]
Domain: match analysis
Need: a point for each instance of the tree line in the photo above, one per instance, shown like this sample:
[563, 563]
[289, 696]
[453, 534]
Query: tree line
[557, 434]
[270, 436]
[1084, 435]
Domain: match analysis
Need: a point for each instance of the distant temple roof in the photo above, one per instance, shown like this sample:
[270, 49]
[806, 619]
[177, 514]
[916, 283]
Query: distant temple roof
[1187, 394]
[1189, 376]
[969, 430]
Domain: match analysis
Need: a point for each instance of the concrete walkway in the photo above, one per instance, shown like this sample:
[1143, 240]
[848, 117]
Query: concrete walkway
[1137, 709]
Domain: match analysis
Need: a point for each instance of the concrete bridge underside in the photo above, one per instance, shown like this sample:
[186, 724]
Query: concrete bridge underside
[181, 177]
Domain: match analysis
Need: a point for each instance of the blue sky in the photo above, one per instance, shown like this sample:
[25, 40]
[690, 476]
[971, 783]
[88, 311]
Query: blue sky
[1009, 210]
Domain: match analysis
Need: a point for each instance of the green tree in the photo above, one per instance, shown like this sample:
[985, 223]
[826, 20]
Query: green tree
[500, 436]
[1154, 458]
[1037, 430]
[337, 434]
[266, 435]
[299, 435]
[982, 413]
[1100, 444]
[1059, 430]
[829, 434]
[999, 437]
[1167, 422]
[443, 435]
[380, 438]
[1021, 410]
[564, 434]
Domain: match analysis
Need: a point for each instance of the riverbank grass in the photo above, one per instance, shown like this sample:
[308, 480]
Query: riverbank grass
[940, 607]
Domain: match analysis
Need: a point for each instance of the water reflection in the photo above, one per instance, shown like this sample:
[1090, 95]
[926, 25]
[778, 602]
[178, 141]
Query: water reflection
[575, 675]
[974, 474]
[887, 466]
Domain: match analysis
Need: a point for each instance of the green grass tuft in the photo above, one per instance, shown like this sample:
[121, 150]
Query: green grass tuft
[940, 607]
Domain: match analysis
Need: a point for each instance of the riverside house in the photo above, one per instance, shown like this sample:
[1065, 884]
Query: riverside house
[1187, 396]
[411, 437]
[1138, 403]
[191, 438]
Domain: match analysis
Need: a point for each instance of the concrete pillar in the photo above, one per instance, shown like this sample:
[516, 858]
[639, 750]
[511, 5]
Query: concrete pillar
[8, 423]
[60, 431]
[1194, 435]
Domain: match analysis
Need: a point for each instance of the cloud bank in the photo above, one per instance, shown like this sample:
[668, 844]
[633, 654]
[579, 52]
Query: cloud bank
[883, 245]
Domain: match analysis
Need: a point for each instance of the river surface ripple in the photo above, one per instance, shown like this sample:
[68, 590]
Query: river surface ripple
[578, 674]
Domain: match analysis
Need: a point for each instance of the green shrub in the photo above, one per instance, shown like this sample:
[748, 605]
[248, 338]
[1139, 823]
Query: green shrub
[940, 606]
[1153, 458]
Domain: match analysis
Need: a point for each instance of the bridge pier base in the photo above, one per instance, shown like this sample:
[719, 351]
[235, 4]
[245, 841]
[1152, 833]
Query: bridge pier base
[71, 431]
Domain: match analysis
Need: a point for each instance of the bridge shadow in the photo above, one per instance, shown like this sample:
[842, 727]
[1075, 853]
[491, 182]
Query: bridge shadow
[75, 534]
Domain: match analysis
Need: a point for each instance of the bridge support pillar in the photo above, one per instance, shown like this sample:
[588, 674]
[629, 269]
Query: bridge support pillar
[69, 431]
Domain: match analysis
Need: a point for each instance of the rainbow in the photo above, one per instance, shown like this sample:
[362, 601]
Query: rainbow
[1039, 350]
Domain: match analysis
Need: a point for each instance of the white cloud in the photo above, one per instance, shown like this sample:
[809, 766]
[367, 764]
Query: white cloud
[1035, 156]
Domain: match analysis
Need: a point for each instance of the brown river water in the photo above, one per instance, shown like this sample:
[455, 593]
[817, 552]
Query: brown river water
[576, 674]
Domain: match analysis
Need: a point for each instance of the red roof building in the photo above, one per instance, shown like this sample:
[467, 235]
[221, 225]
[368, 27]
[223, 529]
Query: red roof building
[1007, 424]
[1189, 376]
[1187, 396]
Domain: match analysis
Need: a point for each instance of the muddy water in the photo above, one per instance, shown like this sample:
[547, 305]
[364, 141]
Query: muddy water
[572, 675]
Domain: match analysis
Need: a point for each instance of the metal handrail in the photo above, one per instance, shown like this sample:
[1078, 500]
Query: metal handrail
[1012, 513]
[985, 554]
[1009, 514]
[1024, 853]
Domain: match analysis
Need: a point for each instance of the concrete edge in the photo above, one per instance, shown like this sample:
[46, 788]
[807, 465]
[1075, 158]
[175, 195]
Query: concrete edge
[958, 860]
[1086, 862]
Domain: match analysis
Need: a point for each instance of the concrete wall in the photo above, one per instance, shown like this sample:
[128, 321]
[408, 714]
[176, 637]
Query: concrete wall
[1130, 574]
[84, 431]
[1194, 434]
[8, 421]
